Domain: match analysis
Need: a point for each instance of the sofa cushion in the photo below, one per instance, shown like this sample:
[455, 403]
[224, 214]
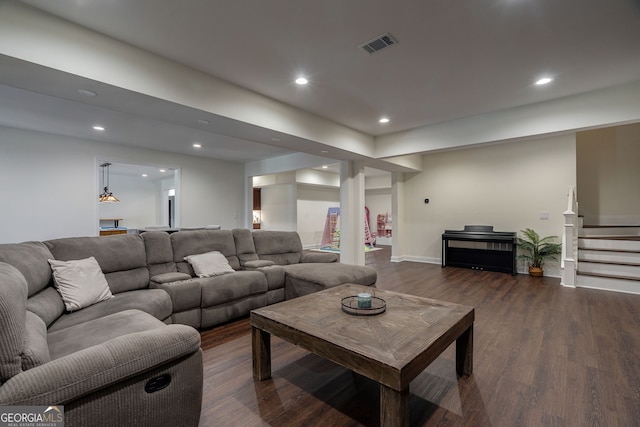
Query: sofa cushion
[314, 256]
[245, 247]
[128, 280]
[209, 264]
[159, 252]
[80, 282]
[13, 302]
[196, 242]
[30, 258]
[98, 331]
[216, 314]
[275, 276]
[47, 304]
[230, 287]
[302, 279]
[185, 294]
[155, 302]
[281, 247]
[36, 349]
[121, 257]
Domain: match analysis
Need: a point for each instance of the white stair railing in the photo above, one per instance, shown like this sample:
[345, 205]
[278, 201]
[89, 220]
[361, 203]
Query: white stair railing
[569, 261]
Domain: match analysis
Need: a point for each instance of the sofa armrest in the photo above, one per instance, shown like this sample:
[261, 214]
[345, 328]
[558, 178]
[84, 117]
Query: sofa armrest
[184, 294]
[312, 256]
[82, 373]
[258, 263]
[169, 278]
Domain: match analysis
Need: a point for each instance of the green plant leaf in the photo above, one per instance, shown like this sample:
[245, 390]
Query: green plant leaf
[536, 250]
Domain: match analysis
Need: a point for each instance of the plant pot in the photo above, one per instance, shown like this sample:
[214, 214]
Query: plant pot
[536, 271]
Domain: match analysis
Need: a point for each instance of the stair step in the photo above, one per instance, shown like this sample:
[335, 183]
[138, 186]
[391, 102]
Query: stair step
[627, 271]
[607, 276]
[616, 244]
[618, 284]
[636, 238]
[593, 231]
[621, 257]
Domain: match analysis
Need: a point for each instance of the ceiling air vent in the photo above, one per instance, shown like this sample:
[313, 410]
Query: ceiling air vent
[379, 43]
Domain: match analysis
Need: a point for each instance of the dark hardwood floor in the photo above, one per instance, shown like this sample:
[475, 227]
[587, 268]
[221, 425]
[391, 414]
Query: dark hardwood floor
[544, 355]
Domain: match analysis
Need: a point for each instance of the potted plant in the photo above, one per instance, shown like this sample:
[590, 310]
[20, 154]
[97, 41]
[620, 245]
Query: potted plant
[536, 250]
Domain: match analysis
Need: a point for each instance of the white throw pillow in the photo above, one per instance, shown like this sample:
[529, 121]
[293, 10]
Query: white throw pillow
[80, 282]
[209, 264]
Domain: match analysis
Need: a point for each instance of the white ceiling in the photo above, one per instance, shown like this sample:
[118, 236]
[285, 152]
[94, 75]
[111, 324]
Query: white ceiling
[46, 100]
[149, 173]
[454, 59]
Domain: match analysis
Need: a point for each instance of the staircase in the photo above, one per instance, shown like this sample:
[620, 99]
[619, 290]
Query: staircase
[609, 258]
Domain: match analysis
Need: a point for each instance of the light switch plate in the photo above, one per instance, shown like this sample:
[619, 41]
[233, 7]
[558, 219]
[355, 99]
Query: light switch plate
[544, 215]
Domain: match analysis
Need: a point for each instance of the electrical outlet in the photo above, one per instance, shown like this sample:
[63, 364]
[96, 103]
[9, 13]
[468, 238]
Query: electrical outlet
[544, 215]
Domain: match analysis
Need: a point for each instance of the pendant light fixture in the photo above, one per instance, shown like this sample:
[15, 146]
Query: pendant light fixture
[106, 196]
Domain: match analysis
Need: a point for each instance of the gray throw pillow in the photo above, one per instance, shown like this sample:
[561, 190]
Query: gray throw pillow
[209, 264]
[81, 283]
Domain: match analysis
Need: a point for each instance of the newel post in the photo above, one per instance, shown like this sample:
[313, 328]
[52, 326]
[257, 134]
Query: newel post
[569, 242]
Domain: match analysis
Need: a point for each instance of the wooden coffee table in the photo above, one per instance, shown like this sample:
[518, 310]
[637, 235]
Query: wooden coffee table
[391, 348]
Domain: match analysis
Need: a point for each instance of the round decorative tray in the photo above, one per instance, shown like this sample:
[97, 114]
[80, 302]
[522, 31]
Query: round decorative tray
[350, 306]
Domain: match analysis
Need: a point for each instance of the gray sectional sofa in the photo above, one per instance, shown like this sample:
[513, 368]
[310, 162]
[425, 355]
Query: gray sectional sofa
[100, 362]
[136, 353]
[305, 271]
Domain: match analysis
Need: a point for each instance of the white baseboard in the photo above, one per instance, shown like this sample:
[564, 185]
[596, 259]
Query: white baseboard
[438, 261]
[608, 284]
[411, 258]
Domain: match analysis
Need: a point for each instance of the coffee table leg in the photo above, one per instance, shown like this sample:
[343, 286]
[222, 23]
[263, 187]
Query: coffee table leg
[394, 407]
[464, 352]
[261, 350]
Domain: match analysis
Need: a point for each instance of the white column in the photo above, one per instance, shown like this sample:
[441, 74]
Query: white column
[352, 212]
[247, 218]
[568, 259]
[397, 212]
[569, 242]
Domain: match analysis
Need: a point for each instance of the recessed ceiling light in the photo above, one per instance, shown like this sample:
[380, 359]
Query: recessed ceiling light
[204, 122]
[197, 145]
[544, 81]
[302, 81]
[163, 170]
[144, 175]
[98, 128]
[86, 92]
[384, 120]
[325, 167]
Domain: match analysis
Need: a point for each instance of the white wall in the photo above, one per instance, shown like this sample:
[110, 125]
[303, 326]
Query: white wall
[379, 202]
[139, 201]
[313, 204]
[278, 204]
[506, 185]
[609, 175]
[50, 185]
[378, 199]
[316, 177]
[317, 191]
[165, 186]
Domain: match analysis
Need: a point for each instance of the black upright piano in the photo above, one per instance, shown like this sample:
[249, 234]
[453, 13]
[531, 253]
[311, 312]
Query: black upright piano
[480, 248]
